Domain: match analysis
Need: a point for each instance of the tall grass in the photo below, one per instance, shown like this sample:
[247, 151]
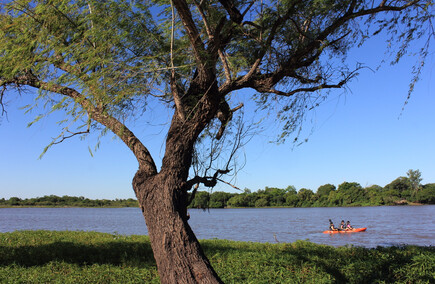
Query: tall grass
[90, 257]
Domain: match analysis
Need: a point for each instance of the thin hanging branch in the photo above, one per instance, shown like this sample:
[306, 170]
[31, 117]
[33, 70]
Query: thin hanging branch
[70, 136]
[2, 92]
[174, 87]
[141, 153]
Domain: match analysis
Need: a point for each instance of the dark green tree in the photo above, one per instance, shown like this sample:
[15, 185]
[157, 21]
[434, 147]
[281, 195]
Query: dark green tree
[374, 194]
[262, 201]
[398, 189]
[291, 197]
[276, 196]
[245, 199]
[219, 199]
[305, 197]
[238, 200]
[415, 180]
[322, 194]
[103, 62]
[427, 194]
[201, 200]
[14, 201]
[351, 193]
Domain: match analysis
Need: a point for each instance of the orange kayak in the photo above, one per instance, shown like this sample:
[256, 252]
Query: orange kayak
[355, 230]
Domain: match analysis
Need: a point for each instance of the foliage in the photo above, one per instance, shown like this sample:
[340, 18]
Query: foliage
[201, 200]
[322, 194]
[415, 179]
[347, 194]
[67, 201]
[350, 193]
[427, 194]
[399, 188]
[219, 199]
[90, 257]
[89, 46]
[103, 60]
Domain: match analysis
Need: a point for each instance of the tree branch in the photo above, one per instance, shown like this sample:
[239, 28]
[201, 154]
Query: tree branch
[2, 92]
[304, 55]
[267, 44]
[214, 39]
[351, 15]
[70, 136]
[318, 87]
[192, 32]
[234, 13]
[308, 89]
[174, 88]
[225, 114]
[146, 163]
[248, 8]
[227, 183]
[305, 80]
[208, 181]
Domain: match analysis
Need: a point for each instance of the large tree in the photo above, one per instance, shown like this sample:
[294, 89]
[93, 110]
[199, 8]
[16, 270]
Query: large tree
[104, 62]
[414, 177]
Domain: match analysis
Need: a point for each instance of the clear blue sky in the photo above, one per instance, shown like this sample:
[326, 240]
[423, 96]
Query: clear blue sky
[360, 136]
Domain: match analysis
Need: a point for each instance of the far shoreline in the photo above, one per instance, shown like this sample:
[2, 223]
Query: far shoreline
[266, 207]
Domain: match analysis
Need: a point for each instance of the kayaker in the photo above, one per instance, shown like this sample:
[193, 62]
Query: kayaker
[342, 225]
[348, 226]
[331, 226]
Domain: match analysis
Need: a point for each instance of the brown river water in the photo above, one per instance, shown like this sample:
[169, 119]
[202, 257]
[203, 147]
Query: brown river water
[386, 225]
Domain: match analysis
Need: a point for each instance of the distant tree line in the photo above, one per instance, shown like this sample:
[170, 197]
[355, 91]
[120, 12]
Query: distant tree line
[403, 190]
[66, 201]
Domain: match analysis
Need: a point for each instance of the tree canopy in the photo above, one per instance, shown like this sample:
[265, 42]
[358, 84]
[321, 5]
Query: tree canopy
[113, 58]
[398, 192]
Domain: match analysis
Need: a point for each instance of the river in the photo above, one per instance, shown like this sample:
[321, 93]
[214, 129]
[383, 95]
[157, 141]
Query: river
[386, 225]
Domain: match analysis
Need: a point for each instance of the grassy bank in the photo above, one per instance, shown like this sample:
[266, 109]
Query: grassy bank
[89, 257]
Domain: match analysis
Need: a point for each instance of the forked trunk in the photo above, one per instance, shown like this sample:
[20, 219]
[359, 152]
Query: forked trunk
[177, 252]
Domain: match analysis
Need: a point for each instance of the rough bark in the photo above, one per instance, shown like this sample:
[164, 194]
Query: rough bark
[177, 252]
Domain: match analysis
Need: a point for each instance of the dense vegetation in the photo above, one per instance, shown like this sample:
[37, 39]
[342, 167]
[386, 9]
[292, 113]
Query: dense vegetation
[347, 194]
[403, 190]
[66, 201]
[90, 257]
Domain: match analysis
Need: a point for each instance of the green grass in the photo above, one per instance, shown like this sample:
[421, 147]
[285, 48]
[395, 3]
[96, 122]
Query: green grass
[90, 257]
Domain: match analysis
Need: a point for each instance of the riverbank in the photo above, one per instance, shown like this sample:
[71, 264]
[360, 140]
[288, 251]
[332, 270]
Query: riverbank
[54, 201]
[270, 198]
[90, 257]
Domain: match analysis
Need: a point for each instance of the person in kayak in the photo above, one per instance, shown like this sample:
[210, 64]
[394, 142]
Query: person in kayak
[342, 225]
[348, 226]
[331, 226]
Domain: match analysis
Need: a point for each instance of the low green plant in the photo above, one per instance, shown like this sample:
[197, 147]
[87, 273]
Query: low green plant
[91, 257]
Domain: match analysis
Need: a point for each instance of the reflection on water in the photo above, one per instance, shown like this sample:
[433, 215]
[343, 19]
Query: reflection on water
[385, 225]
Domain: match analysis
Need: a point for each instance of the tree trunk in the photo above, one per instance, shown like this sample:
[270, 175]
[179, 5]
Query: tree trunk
[177, 252]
